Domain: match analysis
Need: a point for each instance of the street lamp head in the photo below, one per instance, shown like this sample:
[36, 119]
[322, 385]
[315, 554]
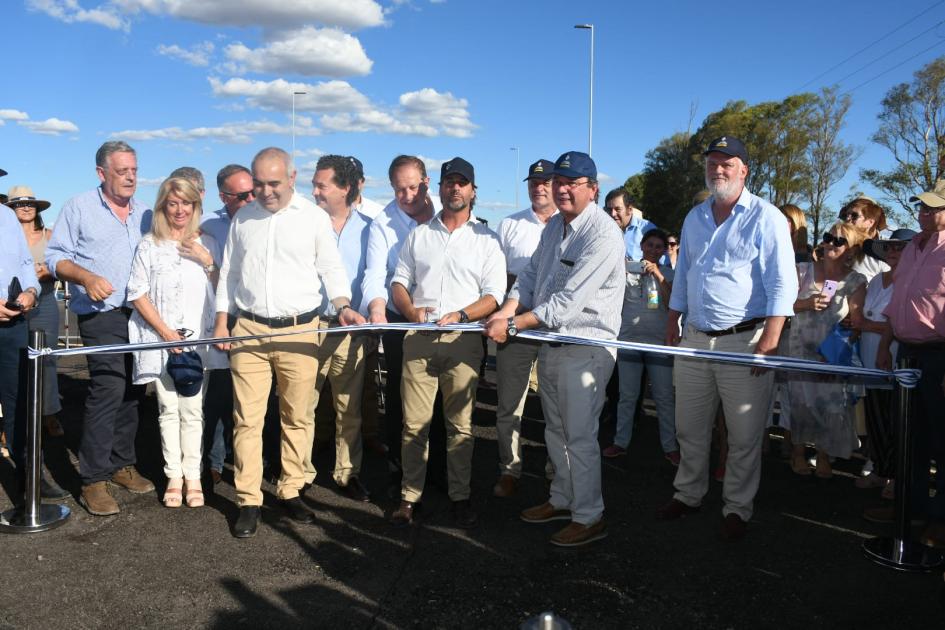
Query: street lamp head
[299, 93]
[588, 26]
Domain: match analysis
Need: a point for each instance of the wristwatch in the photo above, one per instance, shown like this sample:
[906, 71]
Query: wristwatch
[512, 329]
[463, 317]
[342, 308]
[209, 269]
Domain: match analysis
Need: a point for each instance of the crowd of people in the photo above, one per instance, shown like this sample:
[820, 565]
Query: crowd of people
[293, 276]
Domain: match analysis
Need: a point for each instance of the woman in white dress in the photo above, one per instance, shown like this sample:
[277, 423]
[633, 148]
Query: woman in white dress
[172, 288]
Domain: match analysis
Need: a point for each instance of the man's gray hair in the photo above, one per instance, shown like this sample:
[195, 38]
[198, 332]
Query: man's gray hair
[228, 171]
[191, 174]
[112, 146]
[272, 152]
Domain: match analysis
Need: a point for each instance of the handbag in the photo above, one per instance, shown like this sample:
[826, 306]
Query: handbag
[838, 348]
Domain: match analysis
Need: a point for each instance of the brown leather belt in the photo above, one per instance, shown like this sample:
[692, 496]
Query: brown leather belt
[745, 326]
[280, 322]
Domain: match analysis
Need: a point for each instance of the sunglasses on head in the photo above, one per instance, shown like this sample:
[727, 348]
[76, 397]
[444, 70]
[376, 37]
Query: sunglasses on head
[850, 216]
[836, 241]
[243, 196]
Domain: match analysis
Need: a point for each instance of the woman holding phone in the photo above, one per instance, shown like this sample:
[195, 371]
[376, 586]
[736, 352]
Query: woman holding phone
[830, 290]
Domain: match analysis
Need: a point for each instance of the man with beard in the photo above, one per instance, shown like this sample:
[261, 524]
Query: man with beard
[450, 270]
[736, 283]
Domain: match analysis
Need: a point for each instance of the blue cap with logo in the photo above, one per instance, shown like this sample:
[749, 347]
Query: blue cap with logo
[729, 145]
[458, 166]
[186, 370]
[575, 164]
[541, 170]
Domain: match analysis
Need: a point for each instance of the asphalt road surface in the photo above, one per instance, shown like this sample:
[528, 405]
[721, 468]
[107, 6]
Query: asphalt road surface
[800, 566]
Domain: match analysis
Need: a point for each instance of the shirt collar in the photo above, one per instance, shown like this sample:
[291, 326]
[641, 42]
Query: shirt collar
[133, 205]
[437, 218]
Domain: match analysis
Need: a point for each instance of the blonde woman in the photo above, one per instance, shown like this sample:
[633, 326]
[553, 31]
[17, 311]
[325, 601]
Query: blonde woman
[799, 237]
[822, 413]
[172, 290]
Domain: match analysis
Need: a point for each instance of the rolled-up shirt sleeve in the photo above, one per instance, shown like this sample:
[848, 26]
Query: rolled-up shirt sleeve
[589, 273]
[679, 298]
[329, 265]
[778, 271]
[26, 272]
[406, 264]
[373, 285]
[494, 278]
[229, 275]
[139, 283]
[62, 244]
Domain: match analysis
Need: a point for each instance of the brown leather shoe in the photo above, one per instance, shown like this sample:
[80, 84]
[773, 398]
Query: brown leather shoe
[576, 534]
[131, 480]
[404, 515]
[96, 499]
[216, 476]
[733, 528]
[506, 486]
[544, 513]
[673, 510]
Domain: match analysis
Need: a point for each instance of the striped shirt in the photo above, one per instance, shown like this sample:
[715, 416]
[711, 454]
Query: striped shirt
[574, 282]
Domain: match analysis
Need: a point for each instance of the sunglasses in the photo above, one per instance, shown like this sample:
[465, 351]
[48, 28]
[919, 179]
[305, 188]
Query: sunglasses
[850, 216]
[243, 196]
[896, 247]
[672, 243]
[836, 241]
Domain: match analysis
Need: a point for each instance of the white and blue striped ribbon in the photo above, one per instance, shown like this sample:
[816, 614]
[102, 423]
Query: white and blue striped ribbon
[906, 377]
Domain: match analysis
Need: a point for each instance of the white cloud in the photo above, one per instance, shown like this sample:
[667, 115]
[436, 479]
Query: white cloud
[603, 178]
[50, 126]
[307, 51]
[440, 109]
[69, 11]
[151, 181]
[375, 182]
[432, 164]
[13, 114]
[197, 55]
[232, 132]
[314, 152]
[351, 14]
[495, 205]
[375, 121]
[327, 96]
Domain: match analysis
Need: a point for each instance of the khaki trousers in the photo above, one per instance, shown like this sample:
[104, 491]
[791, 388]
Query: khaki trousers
[515, 369]
[449, 362]
[340, 361]
[253, 363]
[700, 385]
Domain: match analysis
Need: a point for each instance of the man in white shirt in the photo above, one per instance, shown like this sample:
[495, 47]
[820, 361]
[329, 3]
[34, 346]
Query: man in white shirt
[412, 205]
[519, 235]
[341, 359]
[451, 270]
[278, 254]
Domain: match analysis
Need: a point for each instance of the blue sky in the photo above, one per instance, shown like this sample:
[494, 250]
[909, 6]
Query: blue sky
[208, 82]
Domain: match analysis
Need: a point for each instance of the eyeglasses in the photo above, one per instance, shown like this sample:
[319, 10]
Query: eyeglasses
[921, 208]
[851, 216]
[897, 246]
[836, 241]
[672, 243]
[242, 196]
[561, 183]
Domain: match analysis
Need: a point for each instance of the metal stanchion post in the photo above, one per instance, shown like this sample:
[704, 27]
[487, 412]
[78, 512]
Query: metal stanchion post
[34, 516]
[900, 552]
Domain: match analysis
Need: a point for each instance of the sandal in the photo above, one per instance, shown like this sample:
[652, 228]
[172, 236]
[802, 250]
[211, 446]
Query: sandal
[194, 494]
[172, 495]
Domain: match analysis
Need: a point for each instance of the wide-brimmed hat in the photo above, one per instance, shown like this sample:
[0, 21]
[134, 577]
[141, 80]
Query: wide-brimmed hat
[877, 248]
[24, 194]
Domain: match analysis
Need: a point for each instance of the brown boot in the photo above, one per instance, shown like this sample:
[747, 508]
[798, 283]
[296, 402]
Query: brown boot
[506, 486]
[97, 500]
[130, 479]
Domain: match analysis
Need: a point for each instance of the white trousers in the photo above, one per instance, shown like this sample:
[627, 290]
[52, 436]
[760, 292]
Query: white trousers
[700, 385]
[181, 422]
[572, 381]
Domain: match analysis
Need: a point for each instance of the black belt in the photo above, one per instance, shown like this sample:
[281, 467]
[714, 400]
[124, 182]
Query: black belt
[280, 322]
[746, 325]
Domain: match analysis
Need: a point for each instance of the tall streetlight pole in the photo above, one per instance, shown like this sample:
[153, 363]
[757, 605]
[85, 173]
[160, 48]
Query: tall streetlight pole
[590, 97]
[518, 156]
[294, 94]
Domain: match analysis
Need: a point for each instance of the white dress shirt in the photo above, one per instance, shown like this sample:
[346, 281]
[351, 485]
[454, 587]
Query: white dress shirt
[448, 271]
[369, 207]
[519, 235]
[274, 263]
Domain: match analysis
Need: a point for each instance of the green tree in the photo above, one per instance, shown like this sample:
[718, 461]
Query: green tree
[672, 174]
[828, 157]
[912, 127]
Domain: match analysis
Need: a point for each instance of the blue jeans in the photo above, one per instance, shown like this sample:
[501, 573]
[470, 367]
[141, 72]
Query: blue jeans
[630, 364]
[218, 417]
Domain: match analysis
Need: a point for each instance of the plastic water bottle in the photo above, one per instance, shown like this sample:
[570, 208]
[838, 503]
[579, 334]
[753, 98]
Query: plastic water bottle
[651, 289]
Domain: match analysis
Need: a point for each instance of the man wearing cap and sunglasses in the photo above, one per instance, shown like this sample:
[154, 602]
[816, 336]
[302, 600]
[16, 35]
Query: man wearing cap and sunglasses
[736, 283]
[450, 270]
[515, 359]
[573, 284]
[916, 315]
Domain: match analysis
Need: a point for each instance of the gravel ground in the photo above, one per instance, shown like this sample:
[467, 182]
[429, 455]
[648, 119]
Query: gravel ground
[799, 567]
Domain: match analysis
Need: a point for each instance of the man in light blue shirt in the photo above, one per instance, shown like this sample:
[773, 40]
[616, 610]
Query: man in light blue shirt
[15, 262]
[92, 246]
[341, 357]
[736, 284]
[623, 209]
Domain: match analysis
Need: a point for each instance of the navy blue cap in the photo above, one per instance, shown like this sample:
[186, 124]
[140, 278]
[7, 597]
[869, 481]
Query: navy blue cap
[729, 145]
[2, 172]
[575, 164]
[186, 370]
[542, 169]
[357, 165]
[458, 166]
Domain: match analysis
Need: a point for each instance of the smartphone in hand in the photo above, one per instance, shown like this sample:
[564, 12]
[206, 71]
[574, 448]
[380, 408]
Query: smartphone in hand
[830, 289]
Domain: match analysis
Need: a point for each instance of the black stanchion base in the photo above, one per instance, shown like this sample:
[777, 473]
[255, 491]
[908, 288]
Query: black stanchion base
[16, 521]
[903, 555]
